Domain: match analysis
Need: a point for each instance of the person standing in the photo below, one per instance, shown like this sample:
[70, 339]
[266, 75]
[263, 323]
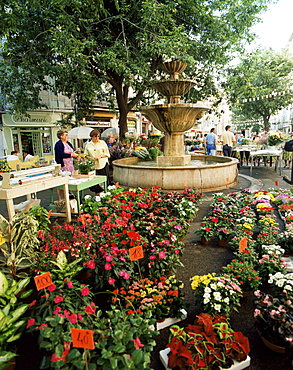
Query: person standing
[228, 139]
[211, 141]
[287, 153]
[64, 154]
[98, 151]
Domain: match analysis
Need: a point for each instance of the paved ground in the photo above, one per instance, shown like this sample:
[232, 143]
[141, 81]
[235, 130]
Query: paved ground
[198, 259]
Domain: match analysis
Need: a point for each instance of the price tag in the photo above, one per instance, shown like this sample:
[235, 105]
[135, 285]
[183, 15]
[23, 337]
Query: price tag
[136, 253]
[43, 281]
[243, 244]
[82, 338]
[277, 183]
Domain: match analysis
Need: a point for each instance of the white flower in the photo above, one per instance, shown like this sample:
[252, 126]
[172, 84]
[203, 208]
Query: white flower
[227, 300]
[207, 296]
[217, 307]
[87, 197]
[220, 284]
[217, 296]
[213, 286]
[111, 187]
[97, 198]
[207, 289]
[206, 301]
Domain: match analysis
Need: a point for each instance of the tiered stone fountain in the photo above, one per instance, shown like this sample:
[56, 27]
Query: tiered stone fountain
[176, 170]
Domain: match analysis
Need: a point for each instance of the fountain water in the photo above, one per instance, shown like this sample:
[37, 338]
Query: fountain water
[175, 170]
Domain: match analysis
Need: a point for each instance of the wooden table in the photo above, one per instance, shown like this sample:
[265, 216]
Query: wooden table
[34, 187]
[78, 185]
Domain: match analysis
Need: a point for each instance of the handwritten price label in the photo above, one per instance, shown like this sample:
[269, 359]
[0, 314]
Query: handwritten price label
[82, 338]
[43, 281]
[243, 244]
[136, 253]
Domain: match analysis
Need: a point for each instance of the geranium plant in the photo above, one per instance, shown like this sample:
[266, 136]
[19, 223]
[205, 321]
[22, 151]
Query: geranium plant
[216, 294]
[274, 318]
[209, 343]
[245, 273]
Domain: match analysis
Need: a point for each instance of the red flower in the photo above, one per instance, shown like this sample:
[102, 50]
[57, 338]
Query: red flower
[85, 291]
[30, 322]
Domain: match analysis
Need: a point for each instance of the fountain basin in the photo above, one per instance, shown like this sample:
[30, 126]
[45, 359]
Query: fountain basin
[221, 174]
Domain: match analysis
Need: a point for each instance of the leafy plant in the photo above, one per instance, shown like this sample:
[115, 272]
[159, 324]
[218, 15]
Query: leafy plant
[12, 310]
[4, 166]
[208, 344]
[84, 165]
[18, 244]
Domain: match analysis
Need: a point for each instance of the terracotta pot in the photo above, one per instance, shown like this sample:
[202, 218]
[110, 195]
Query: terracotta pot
[161, 320]
[222, 242]
[12, 365]
[273, 346]
[204, 241]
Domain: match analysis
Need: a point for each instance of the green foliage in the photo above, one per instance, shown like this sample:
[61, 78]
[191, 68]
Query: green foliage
[4, 166]
[260, 73]
[84, 166]
[11, 313]
[149, 154]
[19, 244]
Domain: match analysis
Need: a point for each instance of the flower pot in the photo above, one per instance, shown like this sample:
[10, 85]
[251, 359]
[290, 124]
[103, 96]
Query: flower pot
[273, 346]
[161, 324]
[222, 242]
[204, 241]
[236, 366]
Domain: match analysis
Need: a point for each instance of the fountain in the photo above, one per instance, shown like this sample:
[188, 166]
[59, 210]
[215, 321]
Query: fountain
[176, 170]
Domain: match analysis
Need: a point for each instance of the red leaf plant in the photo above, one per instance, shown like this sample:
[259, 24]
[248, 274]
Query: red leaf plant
[207, 344]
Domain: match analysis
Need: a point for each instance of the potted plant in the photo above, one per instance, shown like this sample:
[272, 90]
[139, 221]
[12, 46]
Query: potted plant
[209, 344]
[18, 244]
[216, 294]
[271, 261]
[207, 228]
[274, 320]
[84, 166]
[163, 297]
[245, 273]
[12, 309]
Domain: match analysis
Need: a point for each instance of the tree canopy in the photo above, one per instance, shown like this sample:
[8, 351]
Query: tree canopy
[77, 47]
[259, 86]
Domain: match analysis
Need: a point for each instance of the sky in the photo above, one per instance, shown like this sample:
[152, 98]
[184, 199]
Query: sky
[276, 27]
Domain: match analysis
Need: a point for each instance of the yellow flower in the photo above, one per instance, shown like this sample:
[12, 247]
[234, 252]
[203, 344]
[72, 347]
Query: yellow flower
[203, 279]
[248, 226]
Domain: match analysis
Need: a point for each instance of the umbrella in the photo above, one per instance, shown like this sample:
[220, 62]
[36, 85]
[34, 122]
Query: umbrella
[3, 144]
[81, 132]
[110, 131]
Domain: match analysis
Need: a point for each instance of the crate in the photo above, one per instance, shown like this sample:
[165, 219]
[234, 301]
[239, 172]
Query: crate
[85, 176]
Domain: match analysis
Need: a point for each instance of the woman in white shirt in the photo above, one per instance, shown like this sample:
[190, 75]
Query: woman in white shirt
[98, 151]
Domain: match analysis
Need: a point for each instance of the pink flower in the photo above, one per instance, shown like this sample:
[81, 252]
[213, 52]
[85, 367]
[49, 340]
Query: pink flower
[52, 287]
[162, 254]
[108, 266]
[30, 322]
[56, 312]
[69, 284]
[73, 318]
[58, 299]
[137, 343]
[109, 258]
[90, 309]
[177, 251]
[153, 257]
[111, 281]
[91, 265]
[85, 291]
[126, 276]
[41, 234]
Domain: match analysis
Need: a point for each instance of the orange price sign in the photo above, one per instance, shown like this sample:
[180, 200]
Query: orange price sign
[136, 253]
[243, 244]
[43, 281]
[277, 183]
[82, 338]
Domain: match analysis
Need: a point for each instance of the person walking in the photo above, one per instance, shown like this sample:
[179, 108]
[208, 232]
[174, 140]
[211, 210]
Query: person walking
[98, 151]
[211, 141]
[228, 139]
[64, 154]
